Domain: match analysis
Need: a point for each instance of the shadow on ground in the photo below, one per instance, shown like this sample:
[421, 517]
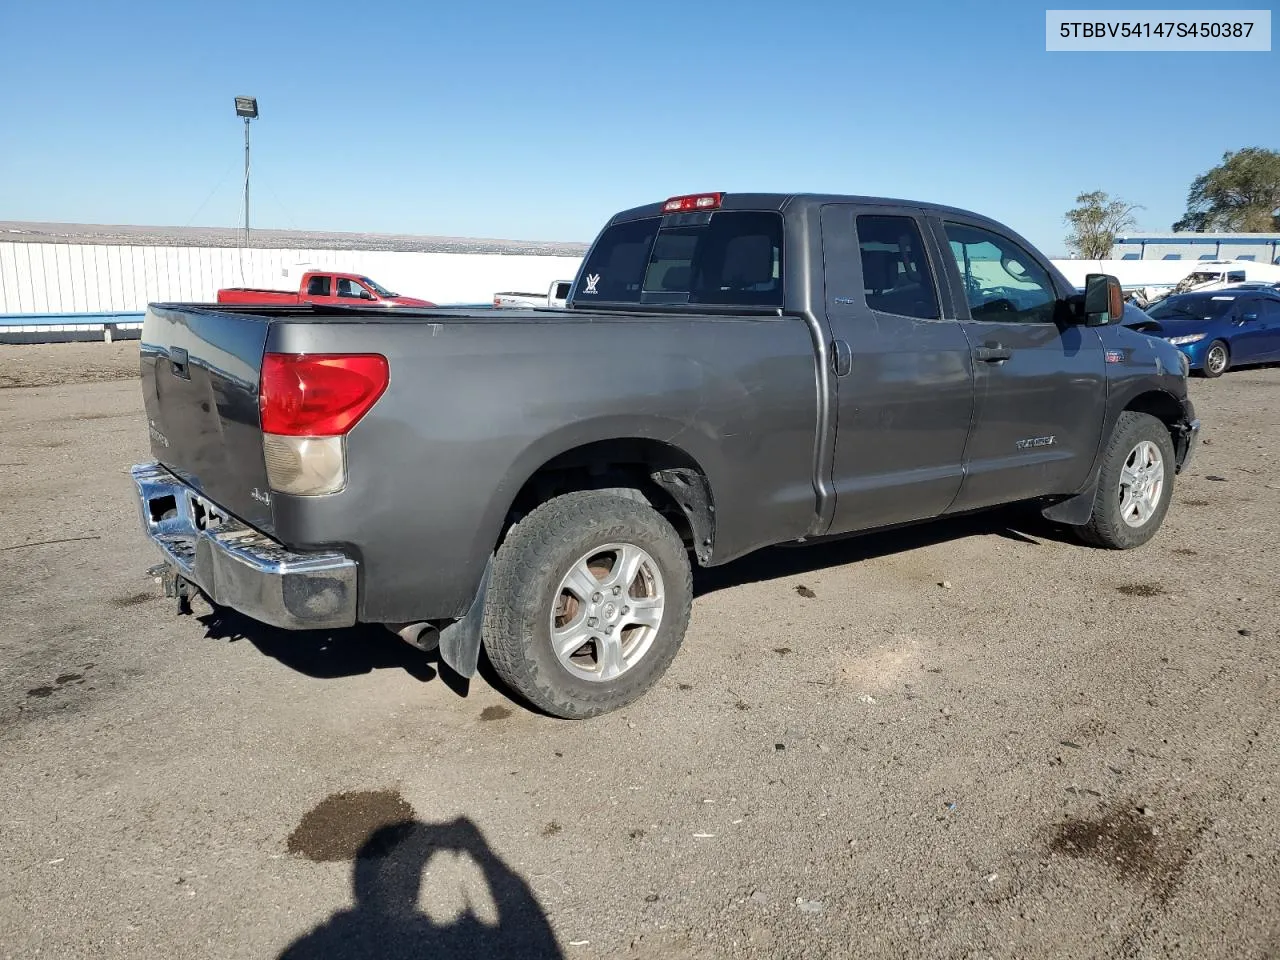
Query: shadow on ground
[323, 654]
[387, 921]
[330, 654]
[1015, 523]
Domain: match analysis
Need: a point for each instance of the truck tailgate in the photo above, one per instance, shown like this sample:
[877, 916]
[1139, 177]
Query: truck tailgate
[200, 370]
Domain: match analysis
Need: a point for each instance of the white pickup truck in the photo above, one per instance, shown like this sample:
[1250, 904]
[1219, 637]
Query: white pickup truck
[555, 297]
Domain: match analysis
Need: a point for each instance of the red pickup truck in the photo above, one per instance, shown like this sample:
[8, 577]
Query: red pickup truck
[324, 286]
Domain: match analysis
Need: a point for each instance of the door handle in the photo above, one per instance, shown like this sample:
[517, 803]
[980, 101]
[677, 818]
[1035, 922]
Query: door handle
[841, 358]
[992, 354]
[178, 363]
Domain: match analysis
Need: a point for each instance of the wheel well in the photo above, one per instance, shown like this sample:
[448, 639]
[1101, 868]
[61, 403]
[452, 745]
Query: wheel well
[1165, 408]
[1160, 405]
[669, 479]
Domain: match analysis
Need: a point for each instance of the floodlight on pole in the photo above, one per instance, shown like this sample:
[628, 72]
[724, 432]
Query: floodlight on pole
[246, 107]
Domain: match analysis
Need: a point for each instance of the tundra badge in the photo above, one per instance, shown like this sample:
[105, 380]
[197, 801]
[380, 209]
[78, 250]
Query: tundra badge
[1035, 442]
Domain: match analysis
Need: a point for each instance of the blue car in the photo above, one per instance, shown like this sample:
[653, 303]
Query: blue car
[1216, 329]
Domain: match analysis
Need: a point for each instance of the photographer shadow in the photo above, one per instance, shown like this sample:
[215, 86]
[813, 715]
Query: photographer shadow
[388, 923]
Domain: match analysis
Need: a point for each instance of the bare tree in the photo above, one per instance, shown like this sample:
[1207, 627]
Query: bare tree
[1095, 221]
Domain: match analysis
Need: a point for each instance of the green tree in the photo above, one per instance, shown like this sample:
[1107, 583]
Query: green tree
[1241, 193]
[1095, 221]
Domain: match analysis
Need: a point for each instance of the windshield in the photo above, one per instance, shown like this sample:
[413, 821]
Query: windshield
[1191, 307]
[728, 257]
[379, 290]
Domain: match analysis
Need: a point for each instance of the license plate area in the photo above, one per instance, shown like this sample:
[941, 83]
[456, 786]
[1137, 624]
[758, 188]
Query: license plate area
[204, 515]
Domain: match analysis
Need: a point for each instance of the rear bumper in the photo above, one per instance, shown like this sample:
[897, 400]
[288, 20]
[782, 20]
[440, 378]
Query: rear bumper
[238, 567]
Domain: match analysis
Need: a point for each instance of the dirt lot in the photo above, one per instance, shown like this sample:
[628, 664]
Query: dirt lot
[1063, 753]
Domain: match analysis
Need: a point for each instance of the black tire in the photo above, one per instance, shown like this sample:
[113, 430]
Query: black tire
[1210, 367]
[535, 557]
[1107, 527]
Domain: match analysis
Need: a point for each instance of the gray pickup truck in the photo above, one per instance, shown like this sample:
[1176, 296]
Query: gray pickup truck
[732, 371]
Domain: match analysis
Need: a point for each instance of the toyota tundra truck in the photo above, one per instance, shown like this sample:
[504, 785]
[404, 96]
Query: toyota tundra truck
[731, 371]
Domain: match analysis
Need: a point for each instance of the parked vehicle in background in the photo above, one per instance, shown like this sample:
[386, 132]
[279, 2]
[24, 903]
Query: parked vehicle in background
[1211, 276]
[557, 297]
[732, 371]
[1218, 329]
[324, 287]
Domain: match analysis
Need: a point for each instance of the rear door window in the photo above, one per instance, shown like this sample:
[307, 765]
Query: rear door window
[730, 257]
[895, 272]
[318, 287]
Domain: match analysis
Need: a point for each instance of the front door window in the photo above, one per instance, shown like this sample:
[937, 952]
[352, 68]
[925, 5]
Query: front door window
[1001, 280]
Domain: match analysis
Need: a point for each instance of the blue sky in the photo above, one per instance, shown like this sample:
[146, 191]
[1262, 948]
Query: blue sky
[538, 120]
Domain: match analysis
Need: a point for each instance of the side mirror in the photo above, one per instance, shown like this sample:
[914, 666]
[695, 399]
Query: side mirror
[1103, 300]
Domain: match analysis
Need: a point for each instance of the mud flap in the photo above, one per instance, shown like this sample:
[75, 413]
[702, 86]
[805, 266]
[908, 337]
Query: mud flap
[1074, 511]
[460, 640]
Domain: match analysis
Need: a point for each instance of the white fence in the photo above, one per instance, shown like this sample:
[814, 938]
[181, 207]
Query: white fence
[65, 278]
[89, 278]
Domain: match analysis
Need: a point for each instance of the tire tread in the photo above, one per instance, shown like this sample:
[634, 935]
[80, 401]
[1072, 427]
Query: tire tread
[1105, 528]
[531, 552]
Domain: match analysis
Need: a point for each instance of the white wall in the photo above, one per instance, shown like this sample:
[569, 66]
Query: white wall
[87, 278]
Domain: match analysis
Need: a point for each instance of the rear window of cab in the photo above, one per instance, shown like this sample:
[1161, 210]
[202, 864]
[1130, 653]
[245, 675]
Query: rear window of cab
[729, 257]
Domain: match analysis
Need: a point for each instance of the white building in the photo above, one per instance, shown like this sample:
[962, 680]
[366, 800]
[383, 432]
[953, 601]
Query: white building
[1256, 247]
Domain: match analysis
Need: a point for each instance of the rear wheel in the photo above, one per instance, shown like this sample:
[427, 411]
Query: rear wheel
[588, 603]
[1216, 359]
[1135, 484]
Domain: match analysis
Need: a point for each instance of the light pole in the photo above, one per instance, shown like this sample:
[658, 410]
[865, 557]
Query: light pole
[246, 107]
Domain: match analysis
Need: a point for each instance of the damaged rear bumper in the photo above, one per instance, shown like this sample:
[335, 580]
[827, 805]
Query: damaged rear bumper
[238, 567]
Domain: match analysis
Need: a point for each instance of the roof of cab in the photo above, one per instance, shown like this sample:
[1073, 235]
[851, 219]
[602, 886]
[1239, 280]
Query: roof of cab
[782, 202]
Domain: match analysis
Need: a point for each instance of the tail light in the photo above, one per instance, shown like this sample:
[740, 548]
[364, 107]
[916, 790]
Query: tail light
[693, 201]
[308, 403]
[319, 395]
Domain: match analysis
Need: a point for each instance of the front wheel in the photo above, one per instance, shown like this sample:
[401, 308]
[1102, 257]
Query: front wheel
[1135, 484]
[1216, 359]
[588, 602]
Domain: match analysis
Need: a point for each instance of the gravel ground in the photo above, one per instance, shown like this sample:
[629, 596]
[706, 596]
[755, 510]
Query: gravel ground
[1063, 753]
[65, 364]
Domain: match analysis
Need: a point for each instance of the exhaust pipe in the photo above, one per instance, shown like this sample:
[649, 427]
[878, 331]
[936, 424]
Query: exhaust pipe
[424, 636]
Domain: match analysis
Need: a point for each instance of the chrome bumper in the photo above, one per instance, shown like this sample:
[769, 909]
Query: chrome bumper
[238, 567]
